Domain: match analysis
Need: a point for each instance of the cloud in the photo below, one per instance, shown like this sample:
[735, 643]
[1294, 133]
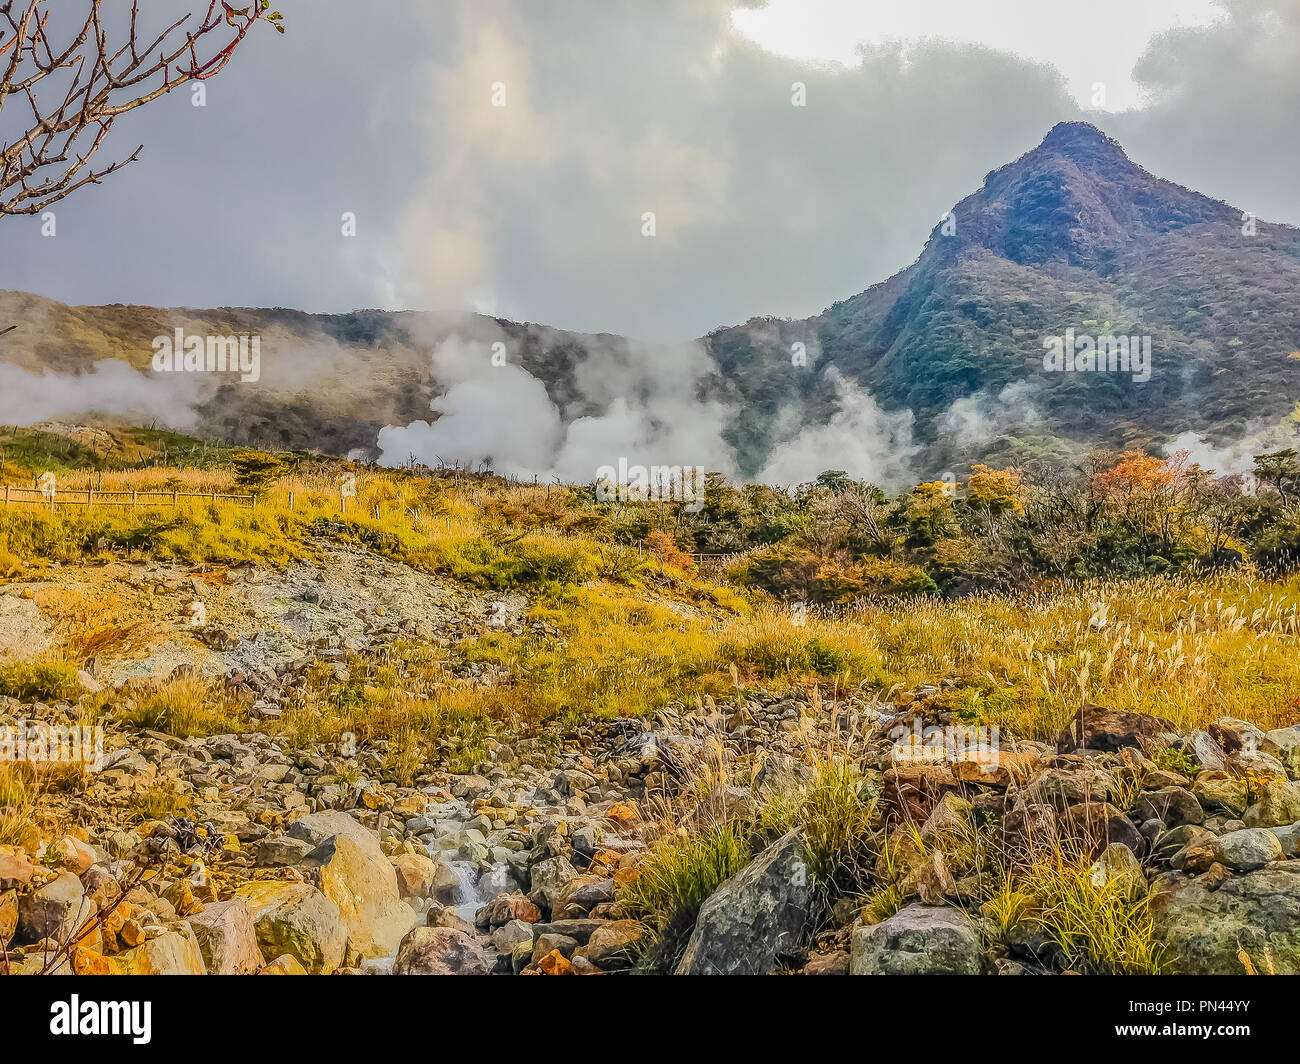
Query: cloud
[1219, 116]
[535, 209]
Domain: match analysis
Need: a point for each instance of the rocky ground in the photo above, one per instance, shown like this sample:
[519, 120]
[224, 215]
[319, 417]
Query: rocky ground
[289, 861]
[312, 863]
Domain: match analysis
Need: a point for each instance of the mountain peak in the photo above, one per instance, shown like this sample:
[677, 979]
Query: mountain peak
[1077, 198]
[1070, 138]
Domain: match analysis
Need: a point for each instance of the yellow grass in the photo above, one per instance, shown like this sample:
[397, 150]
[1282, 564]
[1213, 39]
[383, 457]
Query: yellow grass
[1187, 649]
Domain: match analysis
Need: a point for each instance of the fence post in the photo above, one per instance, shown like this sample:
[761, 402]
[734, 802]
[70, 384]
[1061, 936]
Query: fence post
[291, 502]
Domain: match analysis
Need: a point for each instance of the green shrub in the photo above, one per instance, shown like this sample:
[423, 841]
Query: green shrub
[40, 681]
[835, 813]
[678, 877]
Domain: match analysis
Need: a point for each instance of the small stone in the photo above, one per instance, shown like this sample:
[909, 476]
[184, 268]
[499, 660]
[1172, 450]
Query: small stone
[836, 963]
[554, 963]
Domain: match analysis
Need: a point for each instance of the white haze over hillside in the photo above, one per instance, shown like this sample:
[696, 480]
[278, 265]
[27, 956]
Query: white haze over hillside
[648, 412]
[110, 387]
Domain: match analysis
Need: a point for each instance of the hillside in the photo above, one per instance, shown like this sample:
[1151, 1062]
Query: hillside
[1073, 235]
[468, 725]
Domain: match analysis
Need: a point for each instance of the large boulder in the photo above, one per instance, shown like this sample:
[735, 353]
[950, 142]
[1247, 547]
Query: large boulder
[917, 940]
[1096, 728]
[440, 951]
[227, 938]
[753, 917]
[356, 876]
[1203, 925]
[297, 919]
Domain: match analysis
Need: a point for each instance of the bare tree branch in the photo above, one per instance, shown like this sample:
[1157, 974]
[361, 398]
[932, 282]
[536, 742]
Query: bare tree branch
[93, 82]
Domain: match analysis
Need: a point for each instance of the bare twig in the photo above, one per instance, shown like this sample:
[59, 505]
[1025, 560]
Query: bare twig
[92, 83]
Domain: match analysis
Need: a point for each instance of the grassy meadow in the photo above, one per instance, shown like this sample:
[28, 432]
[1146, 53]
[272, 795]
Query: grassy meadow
[627, 630]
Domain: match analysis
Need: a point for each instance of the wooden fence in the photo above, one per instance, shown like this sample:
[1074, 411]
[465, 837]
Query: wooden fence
[129, 499]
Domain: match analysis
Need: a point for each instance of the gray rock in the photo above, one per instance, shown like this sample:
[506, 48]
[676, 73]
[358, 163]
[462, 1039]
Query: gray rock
[280, 850]
[1248, 849]
[316, 828]
[1286, 741]
[579, 930]
[1061, 788]
[614, 945]
[550, 942]
[1176, 806]
[549, 878]
[1223, 794]
[1289, 837]
[1202, 925]
[754, 917]
[1278, 805]
[57, 910]
[917, 940]
[227, 938]
[509, 935]
[1171, 845]
[1118, 862]
[440, 951]
[1207, 752]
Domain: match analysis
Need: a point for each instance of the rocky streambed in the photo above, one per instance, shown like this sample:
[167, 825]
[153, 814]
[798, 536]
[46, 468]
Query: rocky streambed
[310, 861]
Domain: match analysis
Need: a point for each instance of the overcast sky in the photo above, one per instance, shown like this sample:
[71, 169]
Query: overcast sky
[534, 211]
